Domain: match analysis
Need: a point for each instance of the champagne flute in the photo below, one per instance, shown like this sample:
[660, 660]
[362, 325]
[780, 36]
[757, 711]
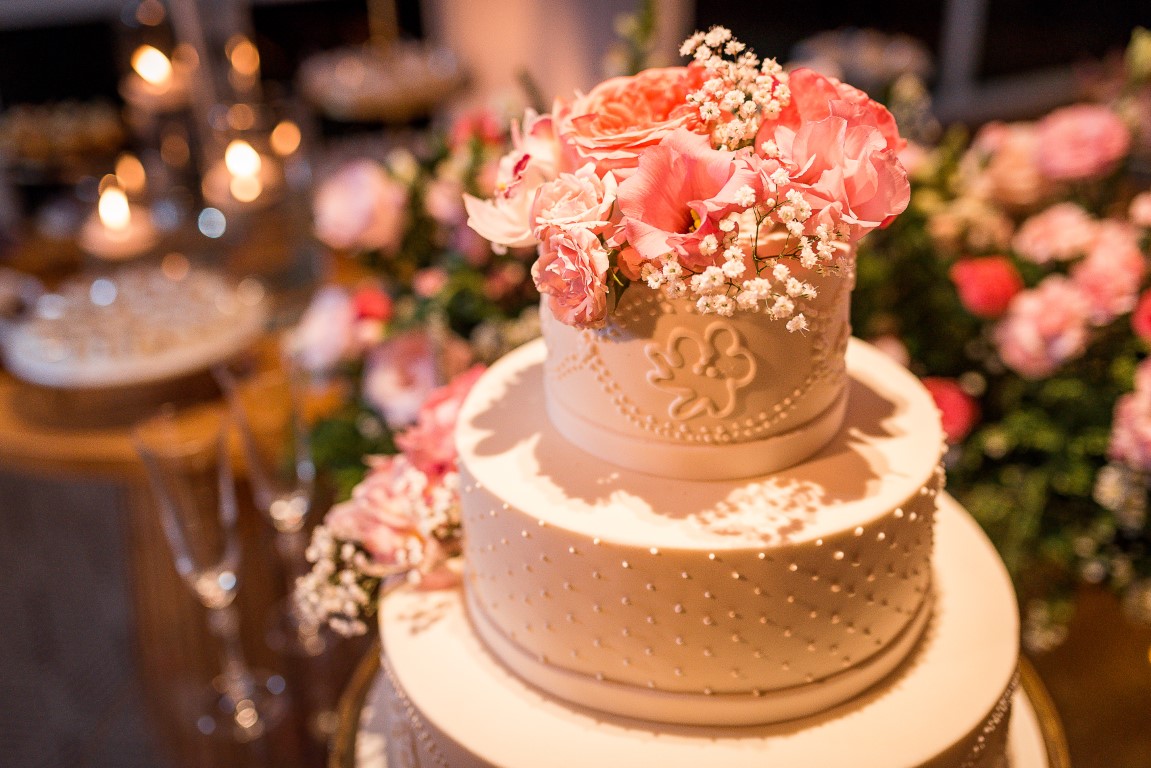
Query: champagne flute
[186, 458]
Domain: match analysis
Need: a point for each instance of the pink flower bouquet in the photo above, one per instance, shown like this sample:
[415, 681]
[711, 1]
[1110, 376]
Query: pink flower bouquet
[701, 181]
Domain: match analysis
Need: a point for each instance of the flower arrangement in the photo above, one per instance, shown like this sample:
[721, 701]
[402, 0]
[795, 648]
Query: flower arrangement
[434, 297]
[402, 518]
[1017, 284]
[727, 181]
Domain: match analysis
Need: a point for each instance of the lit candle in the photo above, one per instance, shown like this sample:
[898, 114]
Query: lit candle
[156, 83]
[118, 229]
[243, 177]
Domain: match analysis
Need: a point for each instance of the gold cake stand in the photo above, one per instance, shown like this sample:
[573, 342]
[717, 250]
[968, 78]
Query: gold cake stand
[343, 746]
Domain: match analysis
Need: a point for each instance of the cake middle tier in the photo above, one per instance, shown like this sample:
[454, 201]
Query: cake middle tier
[693, 601]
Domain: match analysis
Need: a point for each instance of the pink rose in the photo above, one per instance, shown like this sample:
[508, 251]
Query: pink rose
[360, 208]
[430, 443]
[1111, 273]
[580, 199]
[1131, 424]
[958, 411]
[506, 218]
[1007, 154]
[1084, 141]
[1044, 328]
[621, 117]
[429, 281]
[1141, 317]
[382, 514]
[675, 198]
[1060, 233]
[326, 334]
[398, 375]
[986, 284]
[1140, 210]
[571, 272]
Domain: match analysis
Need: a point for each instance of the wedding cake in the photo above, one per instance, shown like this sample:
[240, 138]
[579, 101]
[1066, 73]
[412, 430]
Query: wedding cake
[701, 524]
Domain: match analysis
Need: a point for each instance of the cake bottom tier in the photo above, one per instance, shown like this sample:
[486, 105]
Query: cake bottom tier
[449, 702]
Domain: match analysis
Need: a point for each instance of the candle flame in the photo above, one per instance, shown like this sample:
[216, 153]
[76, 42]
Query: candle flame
[152, 65]
[113, 209]
[241, 159]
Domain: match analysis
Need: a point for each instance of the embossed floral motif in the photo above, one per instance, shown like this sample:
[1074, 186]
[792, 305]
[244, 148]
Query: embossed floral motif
[703, 370]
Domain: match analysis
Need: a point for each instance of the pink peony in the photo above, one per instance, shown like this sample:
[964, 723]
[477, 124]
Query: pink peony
[360, 208]
[1060, 233]
[401, 372]
[1131, 424]
[1140, 210]
[1141, 317]
[580, 199]
[958, 411]
[986, 284]
[1044, 328]
[674, 199]
[506, 218]
[1111, 273]
[623, 116]
[430, 444]
[1009, 172]
[326, 334]
[571, 272]
[1084, 141]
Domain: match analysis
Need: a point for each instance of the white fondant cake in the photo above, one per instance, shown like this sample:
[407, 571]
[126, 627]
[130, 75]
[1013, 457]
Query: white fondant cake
[641, 599]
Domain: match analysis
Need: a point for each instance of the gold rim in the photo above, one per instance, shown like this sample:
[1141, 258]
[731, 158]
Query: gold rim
[342, 748]
[1050, 726]
[342, 752]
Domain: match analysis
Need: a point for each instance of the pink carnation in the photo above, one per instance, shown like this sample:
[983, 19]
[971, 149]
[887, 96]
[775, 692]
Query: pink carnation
[430, 444]
[1111, 273]
[506, 218]
[621, 117]
[1131, 424]
[677, 196]
[571, 272]
[360, 208]
[1044, 328]
[958, 411]
[1084, 141]
[986, 285]
[580, 199]
[1062, 232]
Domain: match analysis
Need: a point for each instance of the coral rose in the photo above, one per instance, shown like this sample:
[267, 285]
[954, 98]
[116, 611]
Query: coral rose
[986, 284]
[360, 207]
[1044, 328]
[623, 116]
[958, 411]
[1084, 141]
[571, 272]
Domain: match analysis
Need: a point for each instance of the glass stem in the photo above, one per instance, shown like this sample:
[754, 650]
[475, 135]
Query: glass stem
[238, 681]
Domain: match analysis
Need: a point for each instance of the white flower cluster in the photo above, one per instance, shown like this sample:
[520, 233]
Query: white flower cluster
[341, 588]
[739, 89]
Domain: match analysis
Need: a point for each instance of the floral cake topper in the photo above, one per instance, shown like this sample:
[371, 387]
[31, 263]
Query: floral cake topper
[728, 181]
